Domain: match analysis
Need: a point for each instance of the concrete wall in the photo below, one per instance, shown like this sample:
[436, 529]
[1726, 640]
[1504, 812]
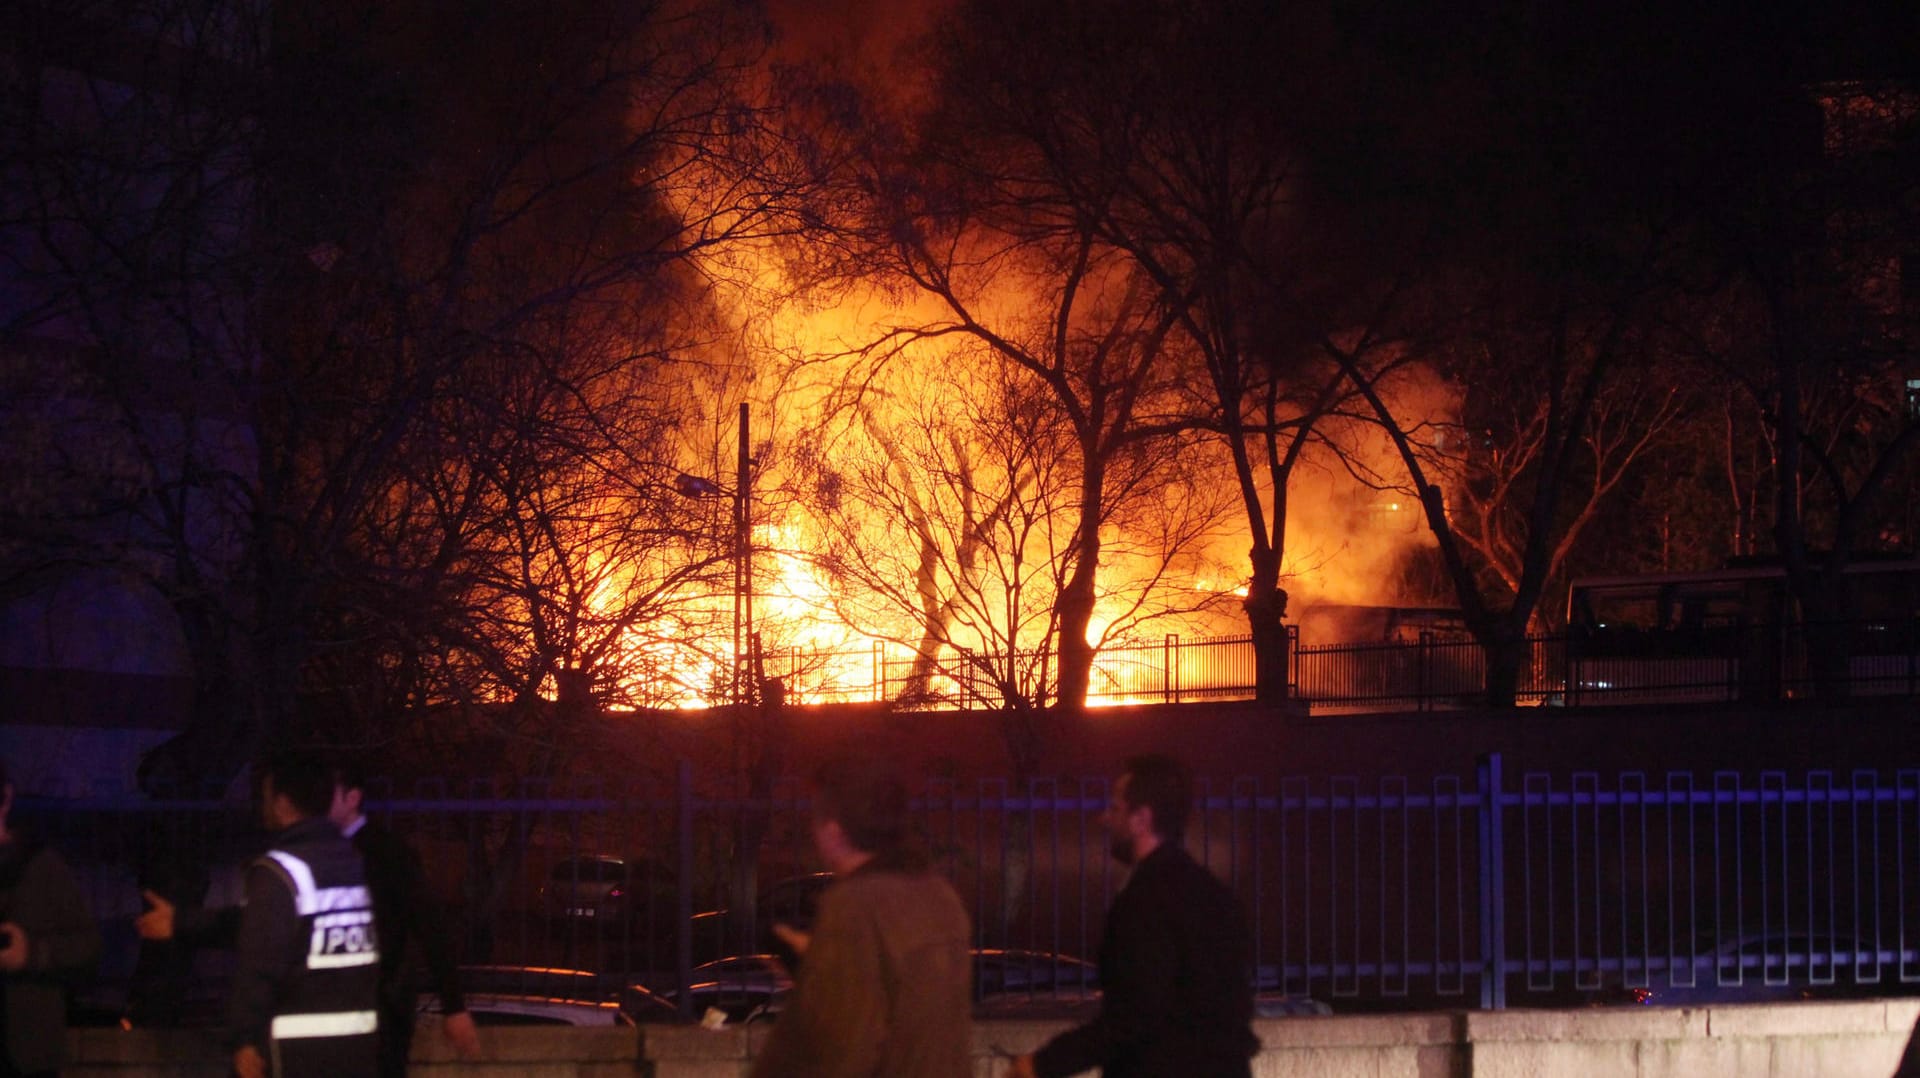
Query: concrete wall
[1798, 1040]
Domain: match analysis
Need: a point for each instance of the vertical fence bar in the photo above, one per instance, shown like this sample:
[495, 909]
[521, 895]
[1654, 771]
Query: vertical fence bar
[1247, 791]
[1493, 900]
[1425, 674]
[1680, 788]
[1344, 800]
[1644, 976]
[1726, 792]
[1288, 874]
[1773, 788]
[1169, 690]
[1831, 933]
[1865, 922]
[683, 827]
[1906, 793]
[1400, 801]
[1446, 791]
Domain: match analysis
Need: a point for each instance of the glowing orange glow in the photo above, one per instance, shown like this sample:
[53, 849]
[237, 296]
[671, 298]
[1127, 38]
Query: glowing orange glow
[830, 631]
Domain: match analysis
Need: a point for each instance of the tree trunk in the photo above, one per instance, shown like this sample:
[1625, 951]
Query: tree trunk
[1506, 658]
[1076, 655]
[1266, 605]
[1075, 604]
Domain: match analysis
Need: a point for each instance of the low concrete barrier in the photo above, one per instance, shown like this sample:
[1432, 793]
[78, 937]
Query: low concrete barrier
[1794, 1040]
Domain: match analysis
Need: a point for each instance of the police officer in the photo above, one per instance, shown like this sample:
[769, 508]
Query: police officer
[306, 977]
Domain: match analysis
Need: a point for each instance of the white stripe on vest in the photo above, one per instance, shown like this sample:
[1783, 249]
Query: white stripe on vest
[288, 1027]
[308, 899]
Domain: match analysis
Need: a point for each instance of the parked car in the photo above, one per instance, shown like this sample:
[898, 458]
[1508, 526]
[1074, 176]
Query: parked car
[745, 988]
[1282, 1005]
[1012, 983]
[534, 995]
[1001, 972]
[641, 1005]
[791, 900]
[605, 890]
[753, 987]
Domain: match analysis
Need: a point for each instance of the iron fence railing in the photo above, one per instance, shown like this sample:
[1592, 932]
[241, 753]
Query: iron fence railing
[1454, 890]
[1171, 670]
[1430, 672]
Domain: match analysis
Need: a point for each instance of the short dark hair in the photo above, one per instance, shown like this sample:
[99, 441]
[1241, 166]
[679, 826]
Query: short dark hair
[867, 798]
[349, 774]
[1163, 784]
[304, 777]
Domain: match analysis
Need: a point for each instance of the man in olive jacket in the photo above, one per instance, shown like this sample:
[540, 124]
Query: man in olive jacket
[47, 942]
[1176, 999]
[884, 988]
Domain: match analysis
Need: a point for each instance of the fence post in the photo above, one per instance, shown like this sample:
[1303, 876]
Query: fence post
[1425, 658]
[1493, 888]
[1169, 653]
[683, 830]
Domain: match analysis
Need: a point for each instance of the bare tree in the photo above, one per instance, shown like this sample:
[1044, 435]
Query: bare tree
[1178, 132]
[1490, 464]
[1810, 237]
[317, 289]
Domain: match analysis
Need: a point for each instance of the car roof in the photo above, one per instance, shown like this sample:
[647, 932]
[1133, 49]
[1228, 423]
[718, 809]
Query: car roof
[486, 1007]
[551, 982]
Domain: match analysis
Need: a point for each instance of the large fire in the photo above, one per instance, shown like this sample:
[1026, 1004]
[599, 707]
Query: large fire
[837, 613]
[913, 512]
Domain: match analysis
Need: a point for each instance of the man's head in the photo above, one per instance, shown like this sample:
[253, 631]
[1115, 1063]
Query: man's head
[1149, 806]
[349, 792]
[293, 787]
[859, 812]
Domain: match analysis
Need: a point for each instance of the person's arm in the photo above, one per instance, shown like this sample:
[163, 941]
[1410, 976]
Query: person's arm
[62, 940]
[835, 1022]
[427, 924]
[1140, 959]
[202, 927]
[267, 952]
[193, 926]
[406, 882]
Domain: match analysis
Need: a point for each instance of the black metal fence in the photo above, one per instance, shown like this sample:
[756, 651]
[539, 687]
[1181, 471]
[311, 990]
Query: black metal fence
[1378, 893]
[1430, 672]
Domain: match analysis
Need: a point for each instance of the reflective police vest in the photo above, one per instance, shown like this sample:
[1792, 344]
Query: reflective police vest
[334, 998]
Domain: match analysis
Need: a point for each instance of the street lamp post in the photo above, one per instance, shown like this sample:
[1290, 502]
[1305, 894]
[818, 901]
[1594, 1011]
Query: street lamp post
[692, 486]
[743, 566]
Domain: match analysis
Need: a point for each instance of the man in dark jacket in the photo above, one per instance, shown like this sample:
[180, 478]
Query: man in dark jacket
[47, 941]
[1176, 1001]
[407, 915]
[306, 975]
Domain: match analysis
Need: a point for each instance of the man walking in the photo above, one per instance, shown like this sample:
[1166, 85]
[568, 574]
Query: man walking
[306, 976]
[405, 912]
[884, 988]
[1175, 997]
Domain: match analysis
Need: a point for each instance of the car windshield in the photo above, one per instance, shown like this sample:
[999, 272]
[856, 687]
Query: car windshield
[591, 870]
